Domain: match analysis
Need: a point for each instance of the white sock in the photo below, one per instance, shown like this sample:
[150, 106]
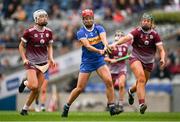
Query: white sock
[111, 105]
[26, 83]
[141, 104]
[25, 107]
[120, 102]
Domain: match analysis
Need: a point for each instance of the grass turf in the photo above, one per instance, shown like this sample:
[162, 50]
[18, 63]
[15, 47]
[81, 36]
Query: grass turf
[89, 116]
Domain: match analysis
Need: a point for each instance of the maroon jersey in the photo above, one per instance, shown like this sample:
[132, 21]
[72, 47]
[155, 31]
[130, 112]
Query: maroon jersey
[36, 44]
[118, 52]
[144, 44]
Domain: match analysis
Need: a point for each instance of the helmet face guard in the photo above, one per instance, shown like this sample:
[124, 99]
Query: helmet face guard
[146, 17]
[37, 13]
[87, 18]
[118, 35]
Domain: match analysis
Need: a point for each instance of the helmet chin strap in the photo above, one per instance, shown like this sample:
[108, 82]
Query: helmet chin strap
[40, 27]
[145, 28]
[89, 28]
[36, 21]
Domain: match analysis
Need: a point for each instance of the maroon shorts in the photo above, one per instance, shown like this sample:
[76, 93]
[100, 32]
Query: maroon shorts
[116, 76]
[147, 67]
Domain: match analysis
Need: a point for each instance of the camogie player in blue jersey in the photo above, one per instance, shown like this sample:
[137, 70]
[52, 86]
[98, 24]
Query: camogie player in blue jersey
[94, 43]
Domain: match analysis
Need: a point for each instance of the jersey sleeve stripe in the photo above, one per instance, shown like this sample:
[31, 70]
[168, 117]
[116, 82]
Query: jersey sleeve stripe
[24, 40]
[102, 32]
[51, 41]
[82, 38]
[159, 43]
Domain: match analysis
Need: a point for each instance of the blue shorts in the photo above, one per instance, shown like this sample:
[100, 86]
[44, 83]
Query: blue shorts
[46, 75]
[90, 67]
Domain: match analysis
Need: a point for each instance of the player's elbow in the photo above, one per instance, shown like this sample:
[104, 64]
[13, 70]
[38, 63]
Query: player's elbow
[79, 89]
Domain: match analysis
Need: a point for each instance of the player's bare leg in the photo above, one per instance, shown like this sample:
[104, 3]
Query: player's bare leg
[138, 71]
[31, 81]
[35, 92]
[108, 82]
[41, 98]
[43, 95]
[34, 83]
[133, 88]
[36, 107]
[143, 107]
[121, 79]
[109, 88]
[82, 81]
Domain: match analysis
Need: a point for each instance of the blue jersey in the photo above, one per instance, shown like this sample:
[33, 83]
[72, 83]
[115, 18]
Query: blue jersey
[91, 60]
[94, 40]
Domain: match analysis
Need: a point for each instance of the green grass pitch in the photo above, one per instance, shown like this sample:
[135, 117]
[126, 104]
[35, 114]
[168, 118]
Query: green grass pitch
[90, 117]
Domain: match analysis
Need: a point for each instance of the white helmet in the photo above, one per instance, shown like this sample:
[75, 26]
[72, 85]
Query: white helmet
[37, 13]
[118, 35]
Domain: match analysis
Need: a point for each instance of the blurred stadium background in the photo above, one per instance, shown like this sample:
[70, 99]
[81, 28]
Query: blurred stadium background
[64, 19]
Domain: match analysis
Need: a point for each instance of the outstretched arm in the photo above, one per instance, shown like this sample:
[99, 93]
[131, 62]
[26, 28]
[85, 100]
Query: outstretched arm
[123, 40]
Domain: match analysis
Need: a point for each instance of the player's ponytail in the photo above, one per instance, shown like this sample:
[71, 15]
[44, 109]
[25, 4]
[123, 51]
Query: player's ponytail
[153, 26]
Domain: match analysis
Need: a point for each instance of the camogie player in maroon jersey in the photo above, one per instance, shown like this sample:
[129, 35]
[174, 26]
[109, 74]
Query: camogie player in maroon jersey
[117, 68]
[145, 41]
[37, 54]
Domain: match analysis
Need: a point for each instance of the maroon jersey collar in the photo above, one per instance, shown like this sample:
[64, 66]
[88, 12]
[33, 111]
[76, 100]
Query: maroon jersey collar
[43, 29]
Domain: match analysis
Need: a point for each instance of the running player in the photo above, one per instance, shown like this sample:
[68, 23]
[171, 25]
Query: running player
[93, 40]
[37, 55]
[42, 94]
[118, 69]
[145, 41]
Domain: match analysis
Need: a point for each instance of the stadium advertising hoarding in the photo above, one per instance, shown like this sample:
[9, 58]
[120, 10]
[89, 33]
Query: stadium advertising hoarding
[65, 64]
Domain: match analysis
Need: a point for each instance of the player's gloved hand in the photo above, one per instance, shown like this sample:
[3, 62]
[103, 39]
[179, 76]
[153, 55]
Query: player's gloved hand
[52, 63]
[113, 61]
[162, 64]
[25, 61]
[107, 49]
